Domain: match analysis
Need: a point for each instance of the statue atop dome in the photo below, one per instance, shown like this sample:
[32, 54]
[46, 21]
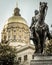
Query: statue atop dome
[17, 10]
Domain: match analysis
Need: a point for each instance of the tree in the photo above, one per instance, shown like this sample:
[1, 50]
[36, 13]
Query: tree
[7, 54]
[49, 48]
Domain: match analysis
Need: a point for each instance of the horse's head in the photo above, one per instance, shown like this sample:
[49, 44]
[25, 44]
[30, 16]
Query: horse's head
[43, 6]
[42, 11]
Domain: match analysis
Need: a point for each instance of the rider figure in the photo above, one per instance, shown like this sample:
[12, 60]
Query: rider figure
[34, 18]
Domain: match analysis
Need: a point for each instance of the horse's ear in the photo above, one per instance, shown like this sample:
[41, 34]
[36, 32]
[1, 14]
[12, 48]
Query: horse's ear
[40, 3]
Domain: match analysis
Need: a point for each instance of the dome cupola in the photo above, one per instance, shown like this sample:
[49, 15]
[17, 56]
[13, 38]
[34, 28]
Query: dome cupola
[17, 17]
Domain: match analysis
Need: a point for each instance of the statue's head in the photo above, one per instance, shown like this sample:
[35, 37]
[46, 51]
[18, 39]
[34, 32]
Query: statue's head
[36, 12]
[43, 5]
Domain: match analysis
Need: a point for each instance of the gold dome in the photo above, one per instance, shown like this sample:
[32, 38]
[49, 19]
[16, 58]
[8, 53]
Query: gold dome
[17, 19]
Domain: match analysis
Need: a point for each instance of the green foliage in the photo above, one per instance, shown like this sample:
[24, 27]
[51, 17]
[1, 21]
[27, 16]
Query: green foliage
[7, 53]
[49, 48]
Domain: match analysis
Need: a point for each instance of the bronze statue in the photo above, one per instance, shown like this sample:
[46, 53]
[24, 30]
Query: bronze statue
[40, 30]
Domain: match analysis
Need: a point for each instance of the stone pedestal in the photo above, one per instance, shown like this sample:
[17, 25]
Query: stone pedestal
[41, 60]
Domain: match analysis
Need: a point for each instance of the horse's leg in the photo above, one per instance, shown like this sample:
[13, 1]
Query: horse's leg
[41, 43]
[36, 45]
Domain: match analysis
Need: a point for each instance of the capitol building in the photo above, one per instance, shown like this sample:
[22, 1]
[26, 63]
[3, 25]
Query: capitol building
[17, 33]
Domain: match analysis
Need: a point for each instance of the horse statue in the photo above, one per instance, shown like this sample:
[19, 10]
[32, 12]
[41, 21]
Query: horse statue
[40, 30]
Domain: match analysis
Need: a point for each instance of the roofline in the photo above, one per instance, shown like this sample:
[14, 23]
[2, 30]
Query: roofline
[26, 47]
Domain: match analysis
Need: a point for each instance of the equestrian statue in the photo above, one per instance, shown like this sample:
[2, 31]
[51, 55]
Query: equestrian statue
[39, 29]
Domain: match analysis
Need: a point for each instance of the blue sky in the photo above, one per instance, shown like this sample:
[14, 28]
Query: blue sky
[27, 8]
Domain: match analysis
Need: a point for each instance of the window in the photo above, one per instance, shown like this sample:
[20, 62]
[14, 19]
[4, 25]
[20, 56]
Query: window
[32, 56]
[9, 37]
[14, 37]
[14, 30]
[19, 59]
[5, 37]
[25, 57]
[19, 37]
[9, 31]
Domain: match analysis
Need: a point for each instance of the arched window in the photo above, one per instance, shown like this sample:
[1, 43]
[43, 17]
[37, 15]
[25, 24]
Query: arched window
[14, 37]
[19, 59]
[25, 57]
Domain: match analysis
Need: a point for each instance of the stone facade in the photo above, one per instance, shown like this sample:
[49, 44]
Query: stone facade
[24, 55]
[16, 32]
